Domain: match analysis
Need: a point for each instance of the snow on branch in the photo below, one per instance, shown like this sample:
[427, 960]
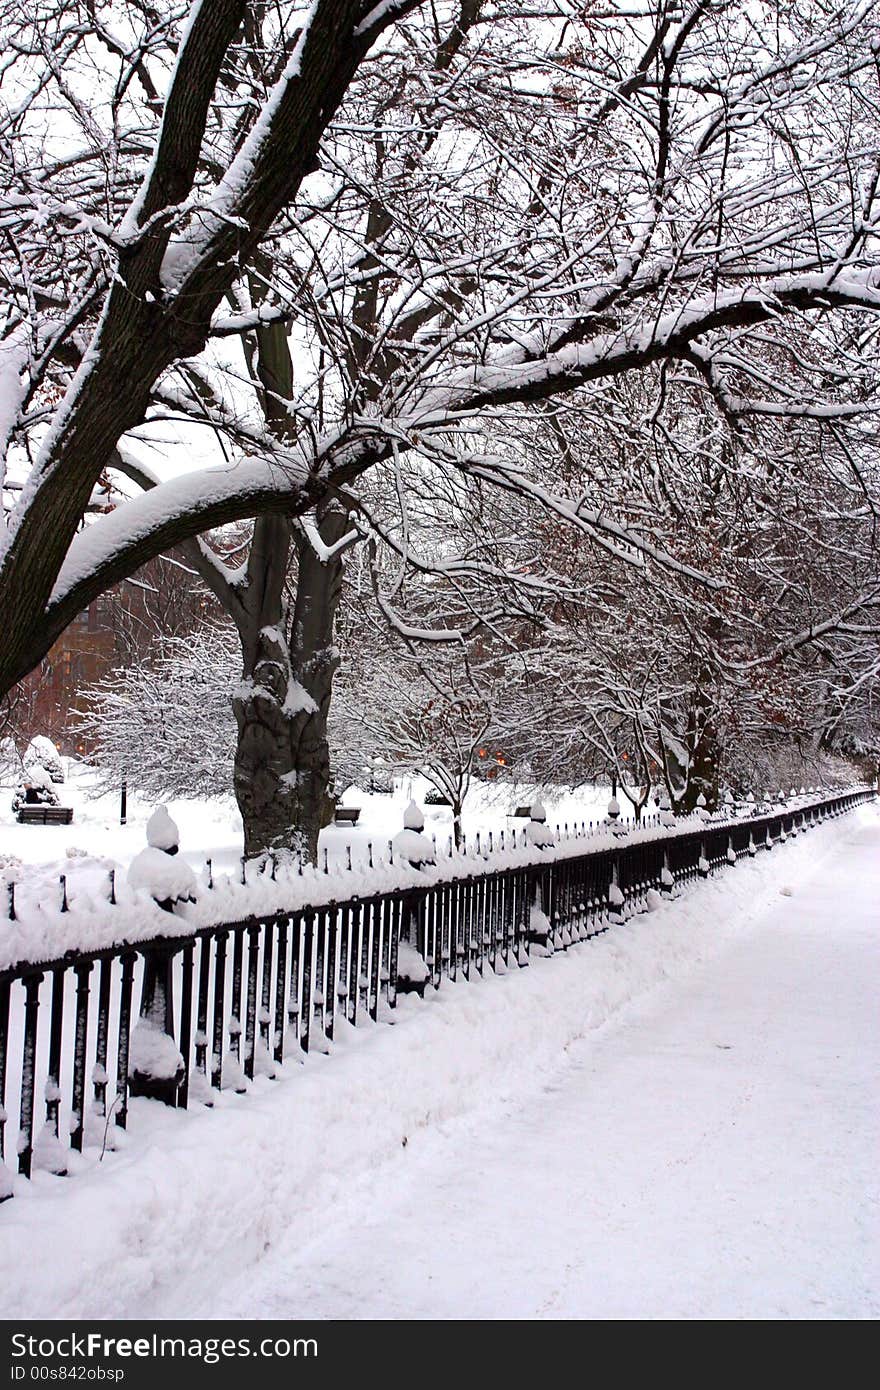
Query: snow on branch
[212, 493]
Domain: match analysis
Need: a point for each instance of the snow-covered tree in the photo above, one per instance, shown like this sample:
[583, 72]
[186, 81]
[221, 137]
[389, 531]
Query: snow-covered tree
[426, 716]
[528, 206]
[166, 725]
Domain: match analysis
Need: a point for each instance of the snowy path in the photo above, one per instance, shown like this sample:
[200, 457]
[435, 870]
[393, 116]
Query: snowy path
[675, 1118]
[710, 1153]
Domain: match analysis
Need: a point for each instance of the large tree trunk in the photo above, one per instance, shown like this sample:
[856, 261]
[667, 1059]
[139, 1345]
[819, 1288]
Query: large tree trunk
[703, 747]
[282, 763]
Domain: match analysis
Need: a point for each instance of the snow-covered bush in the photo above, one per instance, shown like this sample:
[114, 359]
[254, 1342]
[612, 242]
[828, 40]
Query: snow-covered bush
[36, 790]
[436, 798]
[11, 768]
[41, 752]
[145, 723]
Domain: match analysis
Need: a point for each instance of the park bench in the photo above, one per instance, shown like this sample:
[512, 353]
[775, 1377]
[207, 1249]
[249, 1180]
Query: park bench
[346, 815]
[45, 815]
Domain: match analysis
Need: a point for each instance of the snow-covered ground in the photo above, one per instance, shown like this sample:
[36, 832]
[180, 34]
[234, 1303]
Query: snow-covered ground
[212, 828]
[73, 886]
[675, 1119]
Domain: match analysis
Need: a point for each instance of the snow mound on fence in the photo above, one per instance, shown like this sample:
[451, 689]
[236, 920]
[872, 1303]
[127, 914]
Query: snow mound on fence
[163, 877]
[162, 831]
[153, 1053]
[414, 847]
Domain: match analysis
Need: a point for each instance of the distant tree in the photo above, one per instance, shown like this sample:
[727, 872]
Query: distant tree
[426, 715]
[166, 724]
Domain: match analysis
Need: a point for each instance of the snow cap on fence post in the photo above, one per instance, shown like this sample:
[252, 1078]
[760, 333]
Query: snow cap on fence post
[411, 844]
[537, 832]
[162, 831]
[155, 871]
[613, 819]
[156, 1066]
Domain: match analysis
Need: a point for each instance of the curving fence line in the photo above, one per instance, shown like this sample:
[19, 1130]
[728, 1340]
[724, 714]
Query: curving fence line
[231, 1001]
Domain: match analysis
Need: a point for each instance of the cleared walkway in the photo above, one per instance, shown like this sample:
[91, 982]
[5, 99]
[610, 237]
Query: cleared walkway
[713, 1153]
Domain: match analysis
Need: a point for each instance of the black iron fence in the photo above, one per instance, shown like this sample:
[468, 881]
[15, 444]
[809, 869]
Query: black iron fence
[215, 1008]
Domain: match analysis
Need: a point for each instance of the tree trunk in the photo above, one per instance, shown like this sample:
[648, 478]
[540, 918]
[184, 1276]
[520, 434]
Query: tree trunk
[456, 822]
[702, 744]
[282, 762]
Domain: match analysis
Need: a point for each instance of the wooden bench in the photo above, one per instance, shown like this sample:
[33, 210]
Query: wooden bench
[346, 815]
[45, 815]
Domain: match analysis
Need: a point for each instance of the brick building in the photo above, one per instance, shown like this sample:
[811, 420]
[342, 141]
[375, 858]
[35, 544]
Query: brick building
[124, 625]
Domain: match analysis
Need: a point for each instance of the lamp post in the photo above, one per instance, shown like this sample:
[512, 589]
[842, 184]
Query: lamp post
[123, 801]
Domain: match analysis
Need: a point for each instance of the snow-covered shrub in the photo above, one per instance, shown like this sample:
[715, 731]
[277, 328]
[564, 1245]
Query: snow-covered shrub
[436, 798]
[145, 721]
[41, 752]
[11, 769]
[35, 790]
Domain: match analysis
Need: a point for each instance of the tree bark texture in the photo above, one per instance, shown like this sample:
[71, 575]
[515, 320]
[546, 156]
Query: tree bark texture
[282, 763]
